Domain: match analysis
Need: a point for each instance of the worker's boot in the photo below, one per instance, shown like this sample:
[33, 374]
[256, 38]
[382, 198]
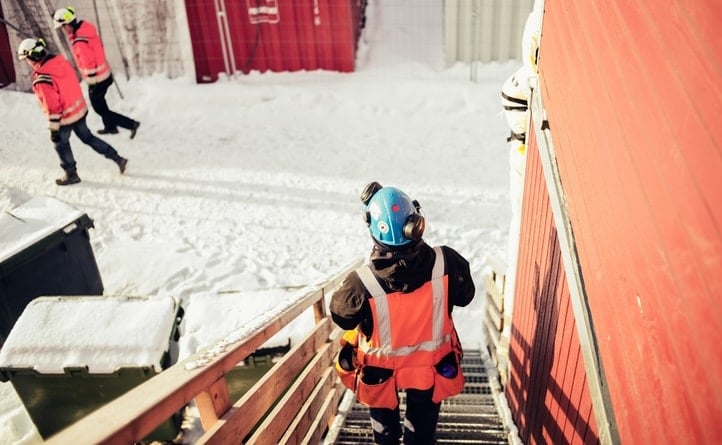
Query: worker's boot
[134, 129]
[71, 177]
[121, 161]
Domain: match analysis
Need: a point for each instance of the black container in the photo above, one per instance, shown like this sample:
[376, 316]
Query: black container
[44, 250]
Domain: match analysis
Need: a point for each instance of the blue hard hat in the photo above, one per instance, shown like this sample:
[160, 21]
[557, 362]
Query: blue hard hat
[393, 218]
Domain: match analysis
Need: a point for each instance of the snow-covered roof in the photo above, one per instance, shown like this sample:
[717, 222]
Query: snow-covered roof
[32, 221]
[102, 333]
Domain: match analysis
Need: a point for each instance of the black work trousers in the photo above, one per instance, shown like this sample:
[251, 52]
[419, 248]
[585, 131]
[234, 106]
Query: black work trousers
[65, 153]
[419, 428]
[111, 119]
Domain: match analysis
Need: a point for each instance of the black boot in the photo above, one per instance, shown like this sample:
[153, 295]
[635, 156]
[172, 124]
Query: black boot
[108, 131]
[122, 162]
[71, 177]
[134, 129]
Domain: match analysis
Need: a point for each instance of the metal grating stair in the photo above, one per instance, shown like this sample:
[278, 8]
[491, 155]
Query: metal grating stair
[471, 417]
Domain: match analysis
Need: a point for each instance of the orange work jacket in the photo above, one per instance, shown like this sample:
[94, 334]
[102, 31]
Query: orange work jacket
[89, 54]
[412, 333]
[56, 87]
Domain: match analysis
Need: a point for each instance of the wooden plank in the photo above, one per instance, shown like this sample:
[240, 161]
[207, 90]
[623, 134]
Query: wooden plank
[248, 411]
[319, 309]
[493, 294]
[495, 317]
[213, 402]
[327, 413]
[305, 420]
[494, 333]
[278, 420]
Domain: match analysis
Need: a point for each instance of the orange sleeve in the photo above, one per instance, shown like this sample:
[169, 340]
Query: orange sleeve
[49, 98]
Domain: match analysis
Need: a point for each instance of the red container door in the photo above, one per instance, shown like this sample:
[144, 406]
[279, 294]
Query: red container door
[306, 38]
[262, 35]
[323, 34]
[288, 37]
[7, 64]
[246, 35]
[344, 31]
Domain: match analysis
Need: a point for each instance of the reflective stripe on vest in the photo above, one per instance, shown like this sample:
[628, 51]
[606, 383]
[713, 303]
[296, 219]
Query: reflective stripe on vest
[96, 75]
[74, 112]
[383, 317]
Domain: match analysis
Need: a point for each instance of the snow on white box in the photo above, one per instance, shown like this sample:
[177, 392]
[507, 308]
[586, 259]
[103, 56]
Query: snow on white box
[33, 220]
[68, 355]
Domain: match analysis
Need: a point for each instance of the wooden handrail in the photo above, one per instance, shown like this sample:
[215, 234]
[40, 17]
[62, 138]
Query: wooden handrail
[135, 414]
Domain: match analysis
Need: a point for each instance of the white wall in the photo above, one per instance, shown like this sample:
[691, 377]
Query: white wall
[484, 30]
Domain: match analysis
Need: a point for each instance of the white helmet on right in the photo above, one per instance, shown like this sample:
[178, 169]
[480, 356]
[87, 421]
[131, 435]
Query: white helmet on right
[63, 16]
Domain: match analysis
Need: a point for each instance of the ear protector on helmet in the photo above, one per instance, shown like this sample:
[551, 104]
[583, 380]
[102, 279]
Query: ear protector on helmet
[392, 217]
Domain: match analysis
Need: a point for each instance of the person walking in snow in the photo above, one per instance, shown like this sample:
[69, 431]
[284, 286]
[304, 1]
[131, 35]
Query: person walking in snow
[56, 87]
[89, 56]
[397, 313]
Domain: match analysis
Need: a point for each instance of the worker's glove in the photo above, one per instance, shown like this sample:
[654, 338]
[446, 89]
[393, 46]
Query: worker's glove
[347, 357]
[347, 354]
[55, 135]
[350, 337]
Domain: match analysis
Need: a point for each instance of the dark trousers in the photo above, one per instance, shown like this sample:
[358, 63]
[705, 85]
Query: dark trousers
[111, 119]
[422, 414]
[80, 128]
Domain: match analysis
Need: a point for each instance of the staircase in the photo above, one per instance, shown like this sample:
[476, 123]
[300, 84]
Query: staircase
[471, 417]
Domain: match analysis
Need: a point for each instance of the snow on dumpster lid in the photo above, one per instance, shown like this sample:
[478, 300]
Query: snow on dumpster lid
[31, 221]
[102, 333]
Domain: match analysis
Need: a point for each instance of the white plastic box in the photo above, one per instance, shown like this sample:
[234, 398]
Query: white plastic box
[67, 356]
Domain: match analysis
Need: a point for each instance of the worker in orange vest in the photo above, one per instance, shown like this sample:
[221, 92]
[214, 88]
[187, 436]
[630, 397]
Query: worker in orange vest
[90, 59]
[60, 96]
[397, 313]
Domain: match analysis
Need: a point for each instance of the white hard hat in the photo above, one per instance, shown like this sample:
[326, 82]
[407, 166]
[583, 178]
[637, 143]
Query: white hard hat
[63, 16]
[33, 49]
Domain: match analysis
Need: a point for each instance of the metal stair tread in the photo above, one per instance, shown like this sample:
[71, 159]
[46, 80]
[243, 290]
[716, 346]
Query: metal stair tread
[471, 417]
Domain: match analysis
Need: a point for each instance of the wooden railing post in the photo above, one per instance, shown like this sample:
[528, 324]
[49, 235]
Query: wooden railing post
[319, 308]
[213, 402]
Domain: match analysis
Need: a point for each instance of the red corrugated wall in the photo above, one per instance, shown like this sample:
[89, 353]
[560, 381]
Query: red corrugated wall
[547, 388]
[7, 66]
[633, 93]
[273, 35]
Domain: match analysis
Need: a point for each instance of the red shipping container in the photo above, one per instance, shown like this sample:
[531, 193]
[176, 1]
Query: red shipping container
[7, 71]
[262, 35]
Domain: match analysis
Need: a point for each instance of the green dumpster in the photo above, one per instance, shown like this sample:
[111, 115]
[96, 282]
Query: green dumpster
[67, 356]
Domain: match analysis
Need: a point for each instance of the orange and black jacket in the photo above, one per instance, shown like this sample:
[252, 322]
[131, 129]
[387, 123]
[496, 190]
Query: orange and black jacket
[56, 86]
[404, 315]
[88, 53]
[403, 270]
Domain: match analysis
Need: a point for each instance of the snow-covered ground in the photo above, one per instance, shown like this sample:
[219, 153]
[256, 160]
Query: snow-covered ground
[240, 190]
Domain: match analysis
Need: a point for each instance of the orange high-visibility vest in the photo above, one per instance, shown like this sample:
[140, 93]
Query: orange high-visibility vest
[412, 331]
